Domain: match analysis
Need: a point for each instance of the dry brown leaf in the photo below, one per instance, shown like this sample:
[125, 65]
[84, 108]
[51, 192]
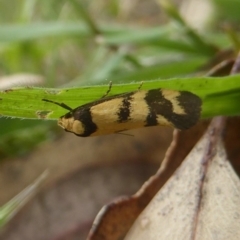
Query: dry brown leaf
[200, 201]
[116, 218]
[232, 142]
[69, 161]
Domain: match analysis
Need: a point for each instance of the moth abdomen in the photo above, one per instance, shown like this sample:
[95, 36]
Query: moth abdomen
[181, 109]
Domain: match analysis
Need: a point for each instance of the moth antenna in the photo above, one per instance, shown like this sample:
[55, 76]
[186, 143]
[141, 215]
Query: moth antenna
[63, 105]
[109, 89]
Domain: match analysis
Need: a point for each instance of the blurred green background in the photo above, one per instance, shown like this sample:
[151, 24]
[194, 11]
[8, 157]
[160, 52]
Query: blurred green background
[76, 42]
[71, 43]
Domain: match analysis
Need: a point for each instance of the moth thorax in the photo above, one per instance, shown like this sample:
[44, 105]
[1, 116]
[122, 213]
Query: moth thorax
[71, 125]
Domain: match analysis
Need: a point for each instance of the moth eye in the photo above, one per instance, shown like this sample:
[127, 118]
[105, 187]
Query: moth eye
[78, 128]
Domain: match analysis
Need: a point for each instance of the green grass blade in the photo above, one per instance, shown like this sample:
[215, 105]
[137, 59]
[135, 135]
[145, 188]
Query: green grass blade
[220, 96]
[12, 207]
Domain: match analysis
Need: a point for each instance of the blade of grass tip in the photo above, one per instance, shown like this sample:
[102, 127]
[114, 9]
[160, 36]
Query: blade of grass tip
[8, 210]
[172, 11]
[77, 5]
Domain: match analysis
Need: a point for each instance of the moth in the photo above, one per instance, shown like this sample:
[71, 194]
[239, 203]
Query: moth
[141, 108]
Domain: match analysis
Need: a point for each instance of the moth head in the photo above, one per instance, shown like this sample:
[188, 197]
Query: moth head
[68, 122]
[71, 125]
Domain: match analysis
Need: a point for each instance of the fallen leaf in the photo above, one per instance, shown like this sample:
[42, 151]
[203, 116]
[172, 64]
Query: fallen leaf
[116, 218]
[201, 199]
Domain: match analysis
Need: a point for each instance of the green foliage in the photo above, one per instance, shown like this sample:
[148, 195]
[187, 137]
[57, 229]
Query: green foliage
[228, 9]
[14, 205]
[65, 42]
[90, 43]
[27, 102]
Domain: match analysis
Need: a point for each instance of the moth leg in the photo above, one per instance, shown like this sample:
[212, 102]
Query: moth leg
[63, 105]
[125, 134]
[109, 89]
[140, 86]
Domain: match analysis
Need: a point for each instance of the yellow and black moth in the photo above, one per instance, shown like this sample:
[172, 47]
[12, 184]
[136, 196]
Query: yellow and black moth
[142, 108]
